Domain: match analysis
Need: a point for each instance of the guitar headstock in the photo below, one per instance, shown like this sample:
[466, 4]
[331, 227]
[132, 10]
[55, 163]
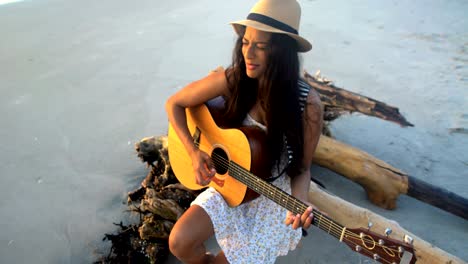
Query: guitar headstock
[381, 248]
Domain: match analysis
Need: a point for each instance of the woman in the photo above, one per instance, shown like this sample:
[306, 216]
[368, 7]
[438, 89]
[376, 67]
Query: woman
[261, 88]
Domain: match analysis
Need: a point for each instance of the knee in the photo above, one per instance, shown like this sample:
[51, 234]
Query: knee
[185, 241]
[178, 244]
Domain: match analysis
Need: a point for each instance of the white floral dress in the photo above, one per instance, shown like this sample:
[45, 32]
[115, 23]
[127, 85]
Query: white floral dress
[253, 232]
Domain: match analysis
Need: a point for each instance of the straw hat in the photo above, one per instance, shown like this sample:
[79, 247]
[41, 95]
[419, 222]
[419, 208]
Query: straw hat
[276, 16]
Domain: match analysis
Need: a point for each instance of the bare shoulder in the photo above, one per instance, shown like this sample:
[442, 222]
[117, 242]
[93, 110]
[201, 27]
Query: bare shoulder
[215, 81]
[218, 69]
[313, 110]
[313, 98]
[202, 90]
[314, 107]
[215, 77]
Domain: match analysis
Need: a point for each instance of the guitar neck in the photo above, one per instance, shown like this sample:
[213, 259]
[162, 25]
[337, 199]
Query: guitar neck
[284, 199]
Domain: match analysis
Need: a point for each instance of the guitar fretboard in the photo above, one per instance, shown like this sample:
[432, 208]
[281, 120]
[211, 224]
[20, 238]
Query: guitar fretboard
[283, 199]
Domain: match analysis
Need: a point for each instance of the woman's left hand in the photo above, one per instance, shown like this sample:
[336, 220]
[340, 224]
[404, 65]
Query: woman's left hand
[304, 220]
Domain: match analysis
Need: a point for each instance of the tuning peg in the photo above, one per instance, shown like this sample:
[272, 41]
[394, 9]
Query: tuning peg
[401, 249]
[369, 225]
[388, 231]
[408, 239]
[358, 248]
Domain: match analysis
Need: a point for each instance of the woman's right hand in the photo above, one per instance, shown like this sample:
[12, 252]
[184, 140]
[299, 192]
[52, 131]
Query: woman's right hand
[203, 167]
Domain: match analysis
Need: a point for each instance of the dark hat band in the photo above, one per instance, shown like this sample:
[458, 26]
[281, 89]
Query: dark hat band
[271, 22]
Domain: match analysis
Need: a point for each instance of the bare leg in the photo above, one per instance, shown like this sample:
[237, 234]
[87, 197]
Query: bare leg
[188, 235]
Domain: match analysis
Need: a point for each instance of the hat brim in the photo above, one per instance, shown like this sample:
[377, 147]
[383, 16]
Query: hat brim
[303, 44]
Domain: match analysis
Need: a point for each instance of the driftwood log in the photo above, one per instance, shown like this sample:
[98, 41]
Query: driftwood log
[159, 201]
[382, 182]
[353, 216]
[338, 101]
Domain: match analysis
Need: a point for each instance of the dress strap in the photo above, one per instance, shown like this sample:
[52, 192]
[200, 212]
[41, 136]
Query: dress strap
[304, 89]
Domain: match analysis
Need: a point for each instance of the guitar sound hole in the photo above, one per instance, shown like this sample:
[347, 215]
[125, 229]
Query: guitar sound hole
[220, 160]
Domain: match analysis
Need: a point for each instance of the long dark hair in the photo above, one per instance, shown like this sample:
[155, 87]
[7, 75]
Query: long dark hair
[278, 95]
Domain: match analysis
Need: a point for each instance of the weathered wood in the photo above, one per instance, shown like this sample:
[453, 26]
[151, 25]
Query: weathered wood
[353, 216]
[337, 100]
[155, 229]
[382, 182]
[438, 197]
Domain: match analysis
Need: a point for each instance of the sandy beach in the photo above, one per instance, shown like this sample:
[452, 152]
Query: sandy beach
[82, 81]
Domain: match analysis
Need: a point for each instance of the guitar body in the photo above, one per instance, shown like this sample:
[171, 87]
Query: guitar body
[242, 146]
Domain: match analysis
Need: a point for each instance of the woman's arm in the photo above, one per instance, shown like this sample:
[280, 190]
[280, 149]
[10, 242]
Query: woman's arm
[194, 94]
[313, 122]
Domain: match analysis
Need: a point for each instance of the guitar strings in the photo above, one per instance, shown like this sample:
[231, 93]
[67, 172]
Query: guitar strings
[261, 184]
[325, 224]
[331, 224]
[293, 203]
[328, 225]
[333, 228]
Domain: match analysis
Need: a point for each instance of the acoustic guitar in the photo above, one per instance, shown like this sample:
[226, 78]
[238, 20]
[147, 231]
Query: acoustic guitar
[241, 167]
